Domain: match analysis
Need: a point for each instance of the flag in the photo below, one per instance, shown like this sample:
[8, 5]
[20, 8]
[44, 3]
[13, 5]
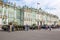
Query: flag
[38, 3]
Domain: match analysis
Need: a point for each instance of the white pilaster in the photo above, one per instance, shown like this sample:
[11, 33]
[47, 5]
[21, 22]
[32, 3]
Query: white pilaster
[7, 14]
[15, 14]
[2, 13]
[15, 11]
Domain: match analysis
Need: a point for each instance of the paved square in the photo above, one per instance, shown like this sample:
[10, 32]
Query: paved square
[31, 35]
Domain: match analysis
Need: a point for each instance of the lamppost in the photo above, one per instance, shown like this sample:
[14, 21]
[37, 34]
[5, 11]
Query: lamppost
[38, 15]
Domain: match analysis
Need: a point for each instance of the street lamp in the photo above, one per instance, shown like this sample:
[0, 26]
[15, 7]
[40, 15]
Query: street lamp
[38, 15]
[38, 5]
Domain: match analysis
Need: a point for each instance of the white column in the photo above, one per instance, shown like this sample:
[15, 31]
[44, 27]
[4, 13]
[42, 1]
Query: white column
[2, 13]
[7, 14]
[15, 10]
[15, 14]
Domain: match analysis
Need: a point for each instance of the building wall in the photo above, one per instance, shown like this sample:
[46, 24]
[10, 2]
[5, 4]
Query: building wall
[29, 18]
[32, 17]
[9, 14]
[25, 15]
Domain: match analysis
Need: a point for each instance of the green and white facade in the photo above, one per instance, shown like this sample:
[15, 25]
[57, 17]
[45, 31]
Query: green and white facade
[9, 13]
[38, 17]
[24, 15]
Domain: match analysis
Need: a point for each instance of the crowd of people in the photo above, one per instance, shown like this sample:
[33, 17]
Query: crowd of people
[11, 27]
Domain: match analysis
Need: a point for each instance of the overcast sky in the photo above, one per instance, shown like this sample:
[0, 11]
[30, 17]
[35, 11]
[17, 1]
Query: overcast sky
[51, 6]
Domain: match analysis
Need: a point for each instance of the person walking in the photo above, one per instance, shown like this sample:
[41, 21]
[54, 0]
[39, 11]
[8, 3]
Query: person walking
[10, 26]
[50, 27]
[46, 27]
[26, 27]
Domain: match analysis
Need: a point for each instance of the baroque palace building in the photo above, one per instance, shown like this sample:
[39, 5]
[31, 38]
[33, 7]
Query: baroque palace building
[9, 13]
[12, 13]
[38, 17]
